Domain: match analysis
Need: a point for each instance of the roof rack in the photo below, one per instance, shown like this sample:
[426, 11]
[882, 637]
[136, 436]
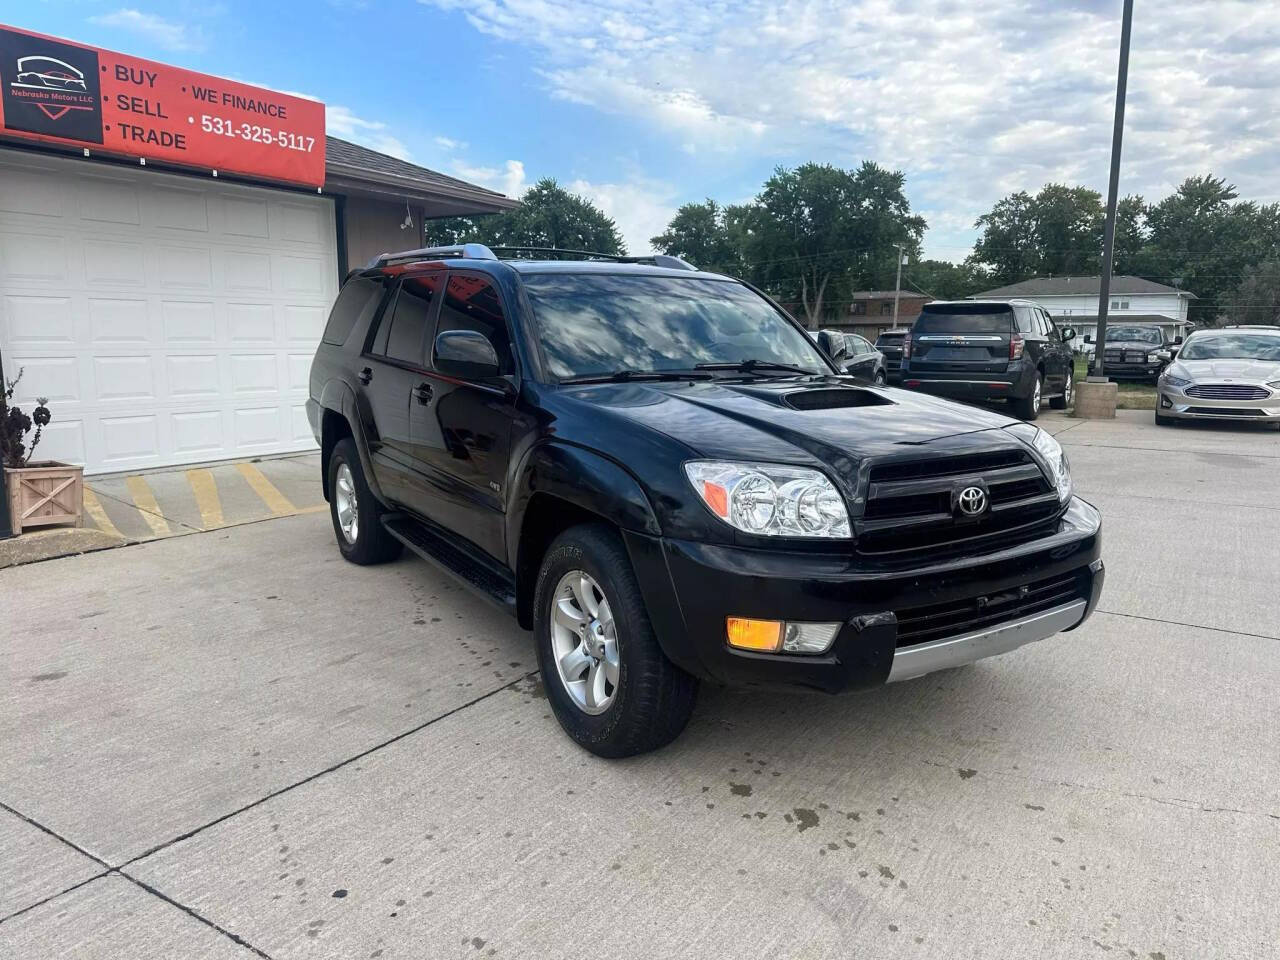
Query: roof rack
[562, 253]
[478, 251]
[465, 251]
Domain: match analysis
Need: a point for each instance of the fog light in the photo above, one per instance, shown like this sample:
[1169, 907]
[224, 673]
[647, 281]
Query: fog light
[778, 636]
[1165, 402]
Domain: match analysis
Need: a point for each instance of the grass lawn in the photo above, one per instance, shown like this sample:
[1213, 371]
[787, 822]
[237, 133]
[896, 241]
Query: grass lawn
[1133, 395]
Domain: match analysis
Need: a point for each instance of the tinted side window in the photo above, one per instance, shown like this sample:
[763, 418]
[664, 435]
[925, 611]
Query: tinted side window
[410, 317]
[1025, 322]
[472, 303]
[356, 302]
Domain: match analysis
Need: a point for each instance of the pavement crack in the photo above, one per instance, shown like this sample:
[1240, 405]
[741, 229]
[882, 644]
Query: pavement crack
[53, 833]
[327, 770]
[54, 896]
[1180, 802]
[195, 914]
[1182, 623]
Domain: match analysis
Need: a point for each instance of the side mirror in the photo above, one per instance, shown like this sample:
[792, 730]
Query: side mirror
[1177, 341]
[466, 354]
[1164, 355]
[1068, 334]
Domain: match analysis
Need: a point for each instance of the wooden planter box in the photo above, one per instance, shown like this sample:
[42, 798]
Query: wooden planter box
[45, 493]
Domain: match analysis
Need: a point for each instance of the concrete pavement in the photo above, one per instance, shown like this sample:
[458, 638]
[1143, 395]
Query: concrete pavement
[250, 748]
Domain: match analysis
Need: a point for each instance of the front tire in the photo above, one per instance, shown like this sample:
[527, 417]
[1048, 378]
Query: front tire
[356, 514]
[1162, 420]
[1068, 391]
[880, 378]
[1028, 407]
[609, 684]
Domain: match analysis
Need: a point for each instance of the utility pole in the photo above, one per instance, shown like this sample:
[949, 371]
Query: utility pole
[897, 289]
[1109, 237]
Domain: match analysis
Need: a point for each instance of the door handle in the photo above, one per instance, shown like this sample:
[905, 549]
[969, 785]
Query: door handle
[423, 393]
[366, 375]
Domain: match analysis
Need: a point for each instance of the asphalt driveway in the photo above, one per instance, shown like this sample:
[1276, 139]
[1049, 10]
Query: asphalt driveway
[233, 744]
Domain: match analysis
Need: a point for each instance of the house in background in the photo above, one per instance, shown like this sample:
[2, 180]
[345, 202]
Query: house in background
[1073, 301]
[870, 312]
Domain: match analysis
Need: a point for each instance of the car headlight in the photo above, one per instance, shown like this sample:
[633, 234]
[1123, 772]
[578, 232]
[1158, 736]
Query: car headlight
[1051, 452]
[770, 499]
[1274, 384]
[1169, 380]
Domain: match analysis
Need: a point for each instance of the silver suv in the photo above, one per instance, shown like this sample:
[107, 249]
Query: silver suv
[1231, 373]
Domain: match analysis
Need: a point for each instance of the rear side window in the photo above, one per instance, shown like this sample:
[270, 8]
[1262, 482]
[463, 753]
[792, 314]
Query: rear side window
[472, 303]
[409, 320]
[356, 302]
[957, 318]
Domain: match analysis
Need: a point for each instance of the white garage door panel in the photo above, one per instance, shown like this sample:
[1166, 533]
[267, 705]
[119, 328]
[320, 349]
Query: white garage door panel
[168, 320]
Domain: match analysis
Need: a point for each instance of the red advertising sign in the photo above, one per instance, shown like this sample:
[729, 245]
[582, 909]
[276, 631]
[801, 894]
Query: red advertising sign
[61, 92]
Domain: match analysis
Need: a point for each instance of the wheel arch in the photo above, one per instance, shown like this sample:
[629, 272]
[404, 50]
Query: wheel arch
[561, 486]
[339, 418]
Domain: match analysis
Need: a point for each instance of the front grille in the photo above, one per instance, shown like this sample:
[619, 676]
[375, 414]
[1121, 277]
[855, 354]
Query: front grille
[957, 617]
[908, 504]
[1125, 356]
[1227, 391]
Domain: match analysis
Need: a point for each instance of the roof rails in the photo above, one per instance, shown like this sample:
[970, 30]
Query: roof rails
[466, 251]
[478, 251]
[562, 253]
[1250, 326]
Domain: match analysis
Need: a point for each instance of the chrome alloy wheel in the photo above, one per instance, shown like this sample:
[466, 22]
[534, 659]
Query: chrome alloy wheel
[584, 642]
[1070, 389]
[1035, 395]
[345, 502]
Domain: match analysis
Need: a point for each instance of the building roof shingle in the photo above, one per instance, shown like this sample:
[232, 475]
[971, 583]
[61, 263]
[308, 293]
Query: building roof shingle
[350, 162]
[1078, 286]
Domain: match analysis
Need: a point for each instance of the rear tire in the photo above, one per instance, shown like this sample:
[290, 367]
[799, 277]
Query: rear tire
[879, 378]
[1028, 407]
[355, 511]
[643, 700]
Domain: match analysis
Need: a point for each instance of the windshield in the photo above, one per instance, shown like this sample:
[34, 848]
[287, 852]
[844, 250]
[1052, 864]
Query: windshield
[1143, 334]
[889, 339]
[594, 324]
[959, 320]
[1232, 346]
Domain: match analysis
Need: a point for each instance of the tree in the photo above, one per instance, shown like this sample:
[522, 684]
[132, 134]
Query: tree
[944, 280]
[709, 236]
[1058, 231]
[1257, 298]
[817, 231]
[1131, 236]
[548, 216]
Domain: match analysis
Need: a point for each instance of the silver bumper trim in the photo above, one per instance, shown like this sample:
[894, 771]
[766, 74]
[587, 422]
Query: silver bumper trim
[916, 661]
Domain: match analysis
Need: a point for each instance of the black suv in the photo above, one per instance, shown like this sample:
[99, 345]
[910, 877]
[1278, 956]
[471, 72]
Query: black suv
[979, 350]
[889, 343]
[658, 472]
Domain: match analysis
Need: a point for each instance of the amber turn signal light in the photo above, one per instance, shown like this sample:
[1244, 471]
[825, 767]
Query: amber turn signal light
[763, 636]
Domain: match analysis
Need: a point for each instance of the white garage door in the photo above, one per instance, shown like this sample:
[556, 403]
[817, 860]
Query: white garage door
[168, 319]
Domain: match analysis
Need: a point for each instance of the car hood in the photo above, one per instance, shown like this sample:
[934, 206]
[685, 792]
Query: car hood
[829, 421]
[1134, 345]
[1260, 370]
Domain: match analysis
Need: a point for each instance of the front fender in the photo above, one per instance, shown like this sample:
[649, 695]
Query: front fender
[581, 477]
[338, 396]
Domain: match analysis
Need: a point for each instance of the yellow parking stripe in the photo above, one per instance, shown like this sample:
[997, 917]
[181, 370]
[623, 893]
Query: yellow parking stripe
[276, 501]
[206, 494]
[93, 507]
[145, 501]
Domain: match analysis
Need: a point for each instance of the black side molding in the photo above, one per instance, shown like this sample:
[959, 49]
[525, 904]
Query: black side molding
[494, 585]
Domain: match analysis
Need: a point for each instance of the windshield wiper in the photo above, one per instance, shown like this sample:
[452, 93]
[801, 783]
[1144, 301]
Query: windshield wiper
[752, 365]
[630, 376]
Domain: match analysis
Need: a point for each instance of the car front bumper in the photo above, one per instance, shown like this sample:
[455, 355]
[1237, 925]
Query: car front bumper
[691, 588]
[1135, 371]
[1176, 404]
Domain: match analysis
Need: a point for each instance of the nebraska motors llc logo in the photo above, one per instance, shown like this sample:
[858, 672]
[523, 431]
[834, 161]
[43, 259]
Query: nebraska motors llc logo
[50, 87]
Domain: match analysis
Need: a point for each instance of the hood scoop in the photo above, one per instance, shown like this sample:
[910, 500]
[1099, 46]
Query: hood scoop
[834, 399]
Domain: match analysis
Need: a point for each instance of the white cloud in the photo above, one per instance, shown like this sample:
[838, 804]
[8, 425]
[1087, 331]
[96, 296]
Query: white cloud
[448, 143]
[164, 33]
[509, 180]
[641, 208]
[342, 122]
[969, 99]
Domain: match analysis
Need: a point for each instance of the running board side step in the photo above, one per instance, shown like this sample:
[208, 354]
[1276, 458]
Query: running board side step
[475, 574]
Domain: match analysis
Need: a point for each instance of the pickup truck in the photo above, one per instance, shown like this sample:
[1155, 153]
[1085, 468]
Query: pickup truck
[657, 471]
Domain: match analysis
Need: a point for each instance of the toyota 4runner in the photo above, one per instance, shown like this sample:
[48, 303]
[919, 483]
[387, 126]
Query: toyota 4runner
[658, 472]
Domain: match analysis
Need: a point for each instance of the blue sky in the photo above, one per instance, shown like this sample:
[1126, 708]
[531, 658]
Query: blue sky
[643, 107]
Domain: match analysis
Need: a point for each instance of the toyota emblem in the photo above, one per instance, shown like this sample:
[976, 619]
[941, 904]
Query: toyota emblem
[971, 501]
